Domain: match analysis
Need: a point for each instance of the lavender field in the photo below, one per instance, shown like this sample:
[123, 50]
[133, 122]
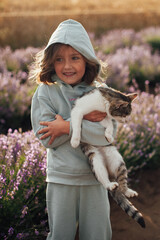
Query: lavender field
[133, 60]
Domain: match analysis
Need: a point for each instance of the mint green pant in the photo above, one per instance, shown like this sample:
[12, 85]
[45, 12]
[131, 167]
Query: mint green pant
[87, 206]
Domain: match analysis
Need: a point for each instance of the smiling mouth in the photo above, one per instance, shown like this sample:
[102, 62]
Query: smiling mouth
[69, 74]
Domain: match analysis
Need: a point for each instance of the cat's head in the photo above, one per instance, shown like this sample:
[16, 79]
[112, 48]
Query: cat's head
[119, 104]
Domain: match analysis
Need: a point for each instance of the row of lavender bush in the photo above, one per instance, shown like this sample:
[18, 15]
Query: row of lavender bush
[130, 55]
[22, 186]
[23, 165]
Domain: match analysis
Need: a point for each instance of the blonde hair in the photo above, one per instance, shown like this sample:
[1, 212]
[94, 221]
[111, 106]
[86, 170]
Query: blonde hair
[42, 68]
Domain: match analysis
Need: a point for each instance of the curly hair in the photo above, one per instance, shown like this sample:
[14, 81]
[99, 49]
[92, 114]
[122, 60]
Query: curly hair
[42, 69]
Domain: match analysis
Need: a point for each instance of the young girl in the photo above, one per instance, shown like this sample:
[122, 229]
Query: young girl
[66, 68]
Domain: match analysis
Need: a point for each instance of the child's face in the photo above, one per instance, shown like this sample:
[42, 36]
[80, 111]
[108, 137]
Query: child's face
[69, 65]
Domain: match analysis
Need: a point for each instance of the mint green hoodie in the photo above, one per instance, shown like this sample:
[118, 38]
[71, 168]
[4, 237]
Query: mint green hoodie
[66, 165]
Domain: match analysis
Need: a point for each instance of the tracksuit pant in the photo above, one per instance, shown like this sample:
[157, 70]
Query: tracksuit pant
[87, 206]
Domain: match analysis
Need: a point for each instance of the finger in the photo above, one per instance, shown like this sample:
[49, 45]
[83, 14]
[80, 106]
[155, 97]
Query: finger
[98, 119]
[98, 114]
[101, 114]
[45, 136]
[58, 117]
[44, 123]
[51, 140]
[44, 130]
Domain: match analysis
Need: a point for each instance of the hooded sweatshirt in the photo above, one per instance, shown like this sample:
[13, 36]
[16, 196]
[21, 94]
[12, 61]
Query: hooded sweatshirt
[66, 165]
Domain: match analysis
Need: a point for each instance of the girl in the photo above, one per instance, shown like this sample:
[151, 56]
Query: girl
[66, 68]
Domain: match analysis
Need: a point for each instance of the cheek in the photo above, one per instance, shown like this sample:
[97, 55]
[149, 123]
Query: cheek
[82, 69]
[57, 68]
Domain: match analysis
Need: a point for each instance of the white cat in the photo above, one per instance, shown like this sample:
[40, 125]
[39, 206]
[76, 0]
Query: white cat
[106, 162]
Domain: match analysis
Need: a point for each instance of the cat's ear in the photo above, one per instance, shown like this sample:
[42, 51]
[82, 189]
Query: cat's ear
[121, 103]
[132, 96]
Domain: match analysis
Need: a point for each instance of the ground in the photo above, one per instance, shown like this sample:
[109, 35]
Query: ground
[148, 203]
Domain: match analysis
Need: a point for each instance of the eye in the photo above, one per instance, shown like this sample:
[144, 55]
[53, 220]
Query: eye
[58, 59]
[75, 58]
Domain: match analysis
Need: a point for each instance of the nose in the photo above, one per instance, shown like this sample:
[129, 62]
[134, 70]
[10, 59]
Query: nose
[67, 64]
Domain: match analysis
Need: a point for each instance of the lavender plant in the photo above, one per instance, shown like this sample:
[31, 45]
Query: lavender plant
[131, 55]
[22, 186]
[139, 139]
[138, 63]
[15, 101]
[18, 60]
[111, 41]
[121, 38]
[151, 36]
[16, 90]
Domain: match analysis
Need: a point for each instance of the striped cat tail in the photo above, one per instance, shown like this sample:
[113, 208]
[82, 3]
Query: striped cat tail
[127, 206]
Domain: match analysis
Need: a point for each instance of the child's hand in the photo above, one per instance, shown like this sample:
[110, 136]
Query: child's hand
[95, 116]
[54, 128]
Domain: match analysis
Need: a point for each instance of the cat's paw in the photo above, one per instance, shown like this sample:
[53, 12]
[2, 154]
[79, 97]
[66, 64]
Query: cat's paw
[109, 137]
[131, 193]
[75, 142]
[112, 186]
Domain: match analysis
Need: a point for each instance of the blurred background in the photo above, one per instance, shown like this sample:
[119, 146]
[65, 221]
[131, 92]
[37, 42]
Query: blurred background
[125, 35]
[32, 22]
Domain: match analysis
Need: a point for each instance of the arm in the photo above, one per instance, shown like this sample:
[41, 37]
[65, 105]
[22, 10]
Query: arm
[54, 129]
[58, 127]
[42, 110]
[93, 132]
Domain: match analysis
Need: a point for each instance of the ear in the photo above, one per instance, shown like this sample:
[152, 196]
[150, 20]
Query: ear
[132, 96]
[121, 103]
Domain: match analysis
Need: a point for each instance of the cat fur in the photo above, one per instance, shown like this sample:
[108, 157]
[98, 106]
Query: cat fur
[106, 162]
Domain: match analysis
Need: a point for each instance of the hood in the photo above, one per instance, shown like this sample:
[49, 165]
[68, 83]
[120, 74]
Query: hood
[73, 33]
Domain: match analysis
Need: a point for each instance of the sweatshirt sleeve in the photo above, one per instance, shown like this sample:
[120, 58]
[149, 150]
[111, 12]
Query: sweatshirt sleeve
[42, 110]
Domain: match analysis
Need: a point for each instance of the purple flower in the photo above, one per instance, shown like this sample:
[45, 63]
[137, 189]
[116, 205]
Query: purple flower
[36, 232]
[10, 231]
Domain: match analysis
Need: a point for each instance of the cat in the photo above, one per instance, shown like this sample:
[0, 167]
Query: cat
[105, 161]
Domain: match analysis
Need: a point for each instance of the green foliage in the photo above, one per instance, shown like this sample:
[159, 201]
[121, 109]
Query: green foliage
[144, 72]
[154, 42]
